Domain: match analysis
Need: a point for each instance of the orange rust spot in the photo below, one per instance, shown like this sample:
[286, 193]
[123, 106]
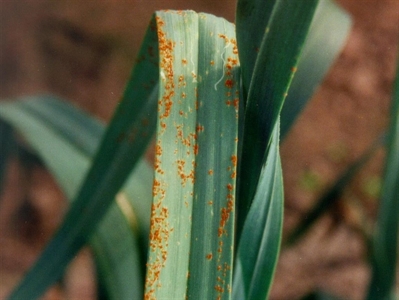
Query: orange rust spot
[225, 215]
[196, 149]
[166, 47]
[184, 176]
[158, 150]
[199, 128]
[209, 256]
[233, 159]
[210, 202]
[149, 295]
[210, 172]
[184, 61]
[235, 48]
[159, 236]
[229, 83]
[232, 61]
[236, 103]
[223, 36]
[181, 112]
[228, 102]
[157, 166]
[212, 63]
[219, 289]
[155, 187]
[233, 175]
[229, 187]
[294, 69]
[181, 81]
[183, 95]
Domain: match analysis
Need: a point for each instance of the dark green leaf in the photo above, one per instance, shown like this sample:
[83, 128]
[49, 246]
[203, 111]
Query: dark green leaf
[326, 37]
[6, 148]
[273, 72]
[259, 245]
[114, 243]
[125, 141]
[385, 244]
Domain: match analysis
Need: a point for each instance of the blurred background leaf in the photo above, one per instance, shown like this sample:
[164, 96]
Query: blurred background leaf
[66, 138]
[124, 142]
[385, 243]
[7, 144]
[327, 36]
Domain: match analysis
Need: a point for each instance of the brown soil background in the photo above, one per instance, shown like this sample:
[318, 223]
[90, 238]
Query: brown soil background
[84, 50]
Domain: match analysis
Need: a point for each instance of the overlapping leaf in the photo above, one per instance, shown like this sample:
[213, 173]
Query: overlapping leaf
[385, 244]
[66, 139]
[125, 141]
[260, 199]
[327, 35]
[192, 224]
[259, 245]
[6, 147]
[274, 68]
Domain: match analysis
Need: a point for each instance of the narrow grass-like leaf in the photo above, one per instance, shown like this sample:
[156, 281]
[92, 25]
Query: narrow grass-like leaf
[261, 191]
[46, 123]
[259, 246]
[167, 267]
[212, 237]
[252, 19]
[192, 224]
[125, 141]
[385, 244]
[273, 72]
[332, 195]
[84, 133]
[6, 149]
[326, 37]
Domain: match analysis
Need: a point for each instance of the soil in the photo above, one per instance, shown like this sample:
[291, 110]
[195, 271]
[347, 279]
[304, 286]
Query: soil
[84, 50]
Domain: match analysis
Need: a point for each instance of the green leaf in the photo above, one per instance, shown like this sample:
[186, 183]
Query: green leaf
[327, 35]
[192, 225]
[252, 19]
[57, 131]
[212, 237]
[260, 204]
[274, 68]
[385, 244]
[259, 245]
[6, 149]
[125, 141]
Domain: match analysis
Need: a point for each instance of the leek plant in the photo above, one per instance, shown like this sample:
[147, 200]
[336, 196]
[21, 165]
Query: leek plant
[205, 220]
